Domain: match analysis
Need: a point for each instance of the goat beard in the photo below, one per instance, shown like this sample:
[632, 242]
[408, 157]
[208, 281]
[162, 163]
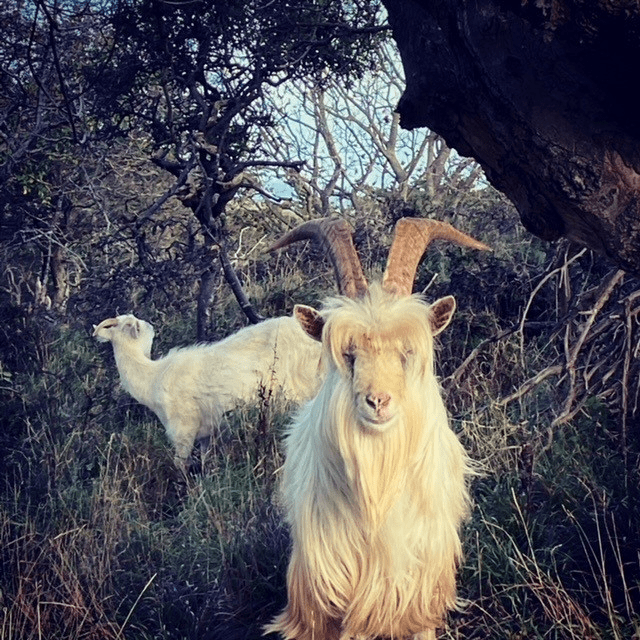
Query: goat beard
[385, 485]
[378, 463]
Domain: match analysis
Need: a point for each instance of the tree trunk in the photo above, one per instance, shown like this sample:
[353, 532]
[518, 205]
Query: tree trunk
[206, 295]
[543, 95]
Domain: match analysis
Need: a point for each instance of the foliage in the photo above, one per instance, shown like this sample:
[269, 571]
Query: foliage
[198, 75]
[184, 85]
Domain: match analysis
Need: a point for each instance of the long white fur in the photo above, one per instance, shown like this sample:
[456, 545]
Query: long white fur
[374, 512]
[190, 388]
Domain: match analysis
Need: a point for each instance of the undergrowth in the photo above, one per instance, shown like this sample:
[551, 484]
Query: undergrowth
[102, 537]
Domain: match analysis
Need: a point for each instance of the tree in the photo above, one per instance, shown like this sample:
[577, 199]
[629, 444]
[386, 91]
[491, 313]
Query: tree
[187, 81]
[196, 76]
[42, 119]
[358, 157]
[540, 94]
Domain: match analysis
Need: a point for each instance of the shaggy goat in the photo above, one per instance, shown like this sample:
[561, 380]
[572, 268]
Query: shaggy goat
[374, 480]
[189, 389]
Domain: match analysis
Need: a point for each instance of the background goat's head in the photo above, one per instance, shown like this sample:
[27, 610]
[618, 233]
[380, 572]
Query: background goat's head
[126, 329]
[379, 338]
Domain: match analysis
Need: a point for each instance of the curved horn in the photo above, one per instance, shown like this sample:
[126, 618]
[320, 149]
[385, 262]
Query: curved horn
[411, 239]
[335, 238]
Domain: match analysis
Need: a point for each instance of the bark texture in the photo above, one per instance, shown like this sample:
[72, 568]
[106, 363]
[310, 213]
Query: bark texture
[545, 95]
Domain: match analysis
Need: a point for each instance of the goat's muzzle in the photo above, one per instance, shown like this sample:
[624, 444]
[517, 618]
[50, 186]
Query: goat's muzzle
[376, 410]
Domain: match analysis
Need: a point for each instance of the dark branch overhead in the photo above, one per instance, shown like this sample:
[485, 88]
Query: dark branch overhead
[543, 95]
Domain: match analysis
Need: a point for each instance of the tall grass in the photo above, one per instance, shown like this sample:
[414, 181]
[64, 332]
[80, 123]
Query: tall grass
[101, 536]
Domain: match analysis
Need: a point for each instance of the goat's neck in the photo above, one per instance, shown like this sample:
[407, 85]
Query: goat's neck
[136, 372]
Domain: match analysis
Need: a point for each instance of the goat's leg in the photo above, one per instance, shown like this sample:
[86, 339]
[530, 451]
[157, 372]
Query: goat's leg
[183, 446]
[183, 464]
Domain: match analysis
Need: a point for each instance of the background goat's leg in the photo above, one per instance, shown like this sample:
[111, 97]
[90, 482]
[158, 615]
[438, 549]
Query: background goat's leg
[183, 445]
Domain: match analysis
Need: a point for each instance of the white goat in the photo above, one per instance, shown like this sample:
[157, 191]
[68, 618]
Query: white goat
[374, 480]
[189, 389]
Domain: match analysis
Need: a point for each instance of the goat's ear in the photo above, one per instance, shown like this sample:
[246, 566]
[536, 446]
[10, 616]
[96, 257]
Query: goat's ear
[132, 327]
[441, 312]
[310, 321]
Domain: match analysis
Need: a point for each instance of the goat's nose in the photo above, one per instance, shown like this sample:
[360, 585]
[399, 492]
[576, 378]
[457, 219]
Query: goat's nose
[378, 401]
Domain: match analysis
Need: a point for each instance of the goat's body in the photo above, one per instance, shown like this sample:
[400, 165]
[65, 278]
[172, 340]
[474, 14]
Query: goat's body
[190, 388]
[374, 510]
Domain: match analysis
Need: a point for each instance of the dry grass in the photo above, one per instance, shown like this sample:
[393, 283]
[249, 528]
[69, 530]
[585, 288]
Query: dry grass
[101, 537]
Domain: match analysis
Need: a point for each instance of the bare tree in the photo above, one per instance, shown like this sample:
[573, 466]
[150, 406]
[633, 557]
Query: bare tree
[43, 120]
[190, 79]
[355, 150]
[198, 79]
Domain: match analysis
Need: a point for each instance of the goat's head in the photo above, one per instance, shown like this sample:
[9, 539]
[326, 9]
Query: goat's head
[125, 329]
[379, 338]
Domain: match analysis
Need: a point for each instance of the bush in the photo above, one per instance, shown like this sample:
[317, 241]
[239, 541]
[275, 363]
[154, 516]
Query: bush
[101, 536]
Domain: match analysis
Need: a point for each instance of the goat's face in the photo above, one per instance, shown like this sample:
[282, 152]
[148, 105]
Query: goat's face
[376, 366]
[125, 327]
[381, 345]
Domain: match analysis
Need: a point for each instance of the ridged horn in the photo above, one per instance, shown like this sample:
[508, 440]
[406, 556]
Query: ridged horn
[411, 238]
[334, 236]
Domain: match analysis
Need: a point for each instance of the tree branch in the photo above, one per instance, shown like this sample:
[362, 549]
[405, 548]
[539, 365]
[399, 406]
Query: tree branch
[232, 279]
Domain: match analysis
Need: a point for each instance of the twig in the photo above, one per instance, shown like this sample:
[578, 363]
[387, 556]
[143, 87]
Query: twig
[573, 352]
[455, 376]
[604, 297]
[135, 604]
[539, 286]
[232, 279]
[554, 370]
[625, 387]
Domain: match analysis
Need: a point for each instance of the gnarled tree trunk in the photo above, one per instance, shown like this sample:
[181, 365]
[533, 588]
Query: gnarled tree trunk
[543, 95]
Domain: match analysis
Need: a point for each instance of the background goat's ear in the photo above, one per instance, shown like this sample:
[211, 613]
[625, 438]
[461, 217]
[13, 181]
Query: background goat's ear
[310, 321]
[133, 328]
[441, 313]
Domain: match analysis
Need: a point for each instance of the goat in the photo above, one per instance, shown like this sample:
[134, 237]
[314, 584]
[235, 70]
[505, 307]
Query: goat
[374, 481]
[190, 388]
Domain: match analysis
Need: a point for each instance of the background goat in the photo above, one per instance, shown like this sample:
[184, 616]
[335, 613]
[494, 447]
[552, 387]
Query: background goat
[374, 480]
[189, 389]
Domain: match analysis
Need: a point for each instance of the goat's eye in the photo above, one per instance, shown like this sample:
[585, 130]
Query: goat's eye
[349, 358]
[406, 356]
